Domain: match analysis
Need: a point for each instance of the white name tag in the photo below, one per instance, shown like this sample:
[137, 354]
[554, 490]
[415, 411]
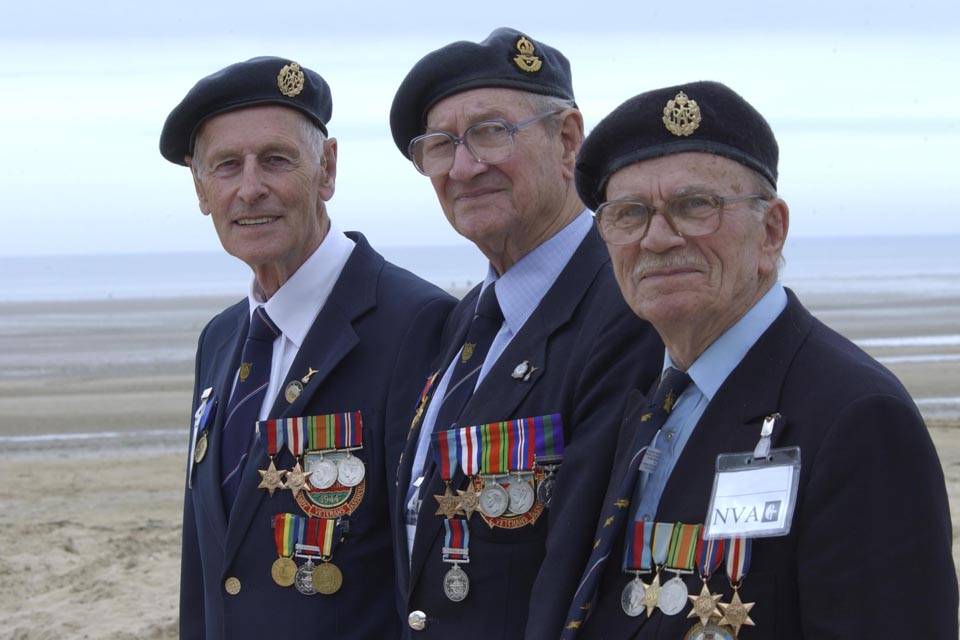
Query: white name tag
[753, 497]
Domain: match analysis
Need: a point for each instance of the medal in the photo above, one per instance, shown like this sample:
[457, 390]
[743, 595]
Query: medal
[469, 500]
[631, 600]
[737, 613]
[709, 554]
[449, 504]
[327, 578]
[494, 499]
[323, 471]
[521, 495]
[350, 471]
[297, 479]
[293, 391]
[303, 579]
[680, 559]
[445, 456]
[456, 550]
[456, 584]
[284, 571]
[709, 631]
[288, 532]
[200, 451]
[545, 488]
[271, 479]
[637, 558]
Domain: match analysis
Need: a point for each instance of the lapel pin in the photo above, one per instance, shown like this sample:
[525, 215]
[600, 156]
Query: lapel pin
[523, 371]
[310, 371]
[292, 392]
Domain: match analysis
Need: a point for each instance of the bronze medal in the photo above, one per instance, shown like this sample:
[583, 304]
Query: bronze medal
[284, 571]
[271, 478]
[297, 480]
[327, 578]
[469, 499]
[200, 450]
[736, 613]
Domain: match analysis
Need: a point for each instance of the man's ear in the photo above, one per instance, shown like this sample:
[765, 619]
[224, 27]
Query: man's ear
[198, 186]
[776, 224]
[328, 181]
[571, 137]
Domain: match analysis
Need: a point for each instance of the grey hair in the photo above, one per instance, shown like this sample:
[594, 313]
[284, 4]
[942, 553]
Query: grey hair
[540, 103]
[310, 133]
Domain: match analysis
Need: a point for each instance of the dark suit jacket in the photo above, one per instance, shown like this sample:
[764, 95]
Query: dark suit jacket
[869, 553]
[371, 344]
[588, 349]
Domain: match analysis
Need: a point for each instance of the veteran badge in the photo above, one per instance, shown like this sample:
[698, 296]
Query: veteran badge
[526, 61]
[681, 116]
[290, 80]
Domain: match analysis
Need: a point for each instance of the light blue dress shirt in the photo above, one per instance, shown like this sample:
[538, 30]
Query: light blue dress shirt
[707, 374]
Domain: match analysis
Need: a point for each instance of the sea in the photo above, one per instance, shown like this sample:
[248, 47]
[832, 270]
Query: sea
[836, 272]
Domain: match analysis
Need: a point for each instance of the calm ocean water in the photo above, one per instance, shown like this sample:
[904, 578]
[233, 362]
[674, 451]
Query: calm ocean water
[925, 265]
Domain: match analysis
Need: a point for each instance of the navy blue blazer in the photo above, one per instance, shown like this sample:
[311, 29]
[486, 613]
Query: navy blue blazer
[371, 345]
[588, 349]
[869, 554]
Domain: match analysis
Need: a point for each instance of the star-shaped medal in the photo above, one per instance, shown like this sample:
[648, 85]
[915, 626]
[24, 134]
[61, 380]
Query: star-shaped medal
[736, 613]
[651, 594]
[449, 504]
[469, 499]
[297, 479]
[271, 478]
[705, 605]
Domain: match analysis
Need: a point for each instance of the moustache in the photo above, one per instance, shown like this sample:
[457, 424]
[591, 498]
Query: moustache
[669, 261]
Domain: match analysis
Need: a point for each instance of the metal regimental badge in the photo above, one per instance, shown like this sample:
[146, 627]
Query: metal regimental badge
[467, 352]
[245, 370]
[681, 116]
[290, 80]
[526, 61]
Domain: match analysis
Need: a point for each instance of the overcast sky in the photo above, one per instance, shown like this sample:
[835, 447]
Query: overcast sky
[863, 99]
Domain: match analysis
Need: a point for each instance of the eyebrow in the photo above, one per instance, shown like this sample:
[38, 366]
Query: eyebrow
[491, 113]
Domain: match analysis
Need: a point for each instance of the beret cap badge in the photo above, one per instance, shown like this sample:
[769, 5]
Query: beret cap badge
[526, 61]
[290, 80]
[681, 116]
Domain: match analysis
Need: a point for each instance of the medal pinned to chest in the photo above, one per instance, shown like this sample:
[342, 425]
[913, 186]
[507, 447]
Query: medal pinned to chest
[307, 539]
[201, 428]
[511, 466]
[328, 478]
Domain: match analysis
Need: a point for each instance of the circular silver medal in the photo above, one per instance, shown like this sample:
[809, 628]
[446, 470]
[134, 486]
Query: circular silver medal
[522, 496]
[456, 584]
[673, 596]
[632, 598]
[303, 580]
[545, 490]
[323, 473]
[350, 471]
[494, 500]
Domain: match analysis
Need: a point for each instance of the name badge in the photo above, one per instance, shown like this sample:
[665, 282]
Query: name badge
[754, 493]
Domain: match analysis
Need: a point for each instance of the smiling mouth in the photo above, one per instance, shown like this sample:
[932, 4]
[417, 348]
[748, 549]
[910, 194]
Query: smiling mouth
[253, 222]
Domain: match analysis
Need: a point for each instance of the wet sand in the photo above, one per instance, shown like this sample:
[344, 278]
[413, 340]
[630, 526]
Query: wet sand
[90, 525]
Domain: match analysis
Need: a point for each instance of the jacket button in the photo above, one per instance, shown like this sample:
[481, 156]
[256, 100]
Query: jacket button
[232, 585]
[417, 620]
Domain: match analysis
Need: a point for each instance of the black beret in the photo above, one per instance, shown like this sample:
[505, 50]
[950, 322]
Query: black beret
[506, 59]
[258, 81]
[700, 116]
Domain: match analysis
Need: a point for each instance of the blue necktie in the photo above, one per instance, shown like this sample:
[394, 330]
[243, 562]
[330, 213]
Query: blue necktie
[244, 408]
[671, 386]
[483, 329]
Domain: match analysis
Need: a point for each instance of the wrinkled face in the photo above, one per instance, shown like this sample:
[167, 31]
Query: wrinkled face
[517, 198]
[263, 183]
[712, 279]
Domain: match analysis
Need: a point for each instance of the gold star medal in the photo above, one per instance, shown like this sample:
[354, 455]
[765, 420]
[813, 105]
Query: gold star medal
[469, 499]
[705, 605]
[271, 479]
[651, 594]
[736, 613]
[709, 555]
[449, 504]
[297, 479]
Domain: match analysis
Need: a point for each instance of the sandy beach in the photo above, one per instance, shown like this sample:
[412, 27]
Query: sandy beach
[94, 404]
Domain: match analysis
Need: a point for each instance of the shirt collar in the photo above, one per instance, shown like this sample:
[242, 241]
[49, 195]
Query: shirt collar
[713, 366]
[298, 301]
[523, 286]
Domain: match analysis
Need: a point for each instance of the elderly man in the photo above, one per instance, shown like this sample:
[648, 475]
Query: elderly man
[781, 484]
[303, 390]
[505, 472]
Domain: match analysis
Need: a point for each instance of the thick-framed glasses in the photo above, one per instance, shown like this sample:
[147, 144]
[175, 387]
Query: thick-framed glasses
[489, 142]
[627, 221]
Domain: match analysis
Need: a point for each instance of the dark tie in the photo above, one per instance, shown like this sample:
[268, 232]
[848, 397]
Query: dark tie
[244, 408]
[483, 329]
[671, 386]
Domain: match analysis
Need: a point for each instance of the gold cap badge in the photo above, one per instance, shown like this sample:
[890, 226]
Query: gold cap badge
[526, 60]
[245, 370]
[681, 116]
[290, 80]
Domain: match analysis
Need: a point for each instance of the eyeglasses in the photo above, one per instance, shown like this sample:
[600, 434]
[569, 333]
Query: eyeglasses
[489, 142]
[625, 222]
